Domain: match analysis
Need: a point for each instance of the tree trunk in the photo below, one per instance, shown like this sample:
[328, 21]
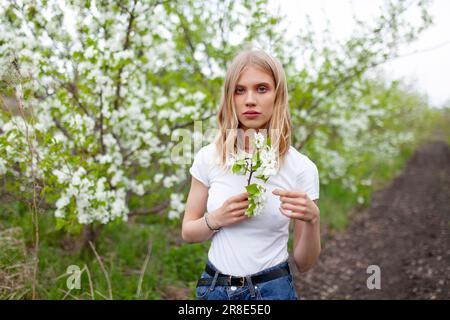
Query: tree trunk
[89, 233]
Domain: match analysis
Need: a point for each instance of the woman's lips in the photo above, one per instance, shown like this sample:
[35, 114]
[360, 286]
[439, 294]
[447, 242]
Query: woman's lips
[251, 115]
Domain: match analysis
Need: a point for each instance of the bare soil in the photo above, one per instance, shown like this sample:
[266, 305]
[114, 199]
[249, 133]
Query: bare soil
[405, 232]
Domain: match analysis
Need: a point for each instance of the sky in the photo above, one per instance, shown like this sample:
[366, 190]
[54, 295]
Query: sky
[427, 68]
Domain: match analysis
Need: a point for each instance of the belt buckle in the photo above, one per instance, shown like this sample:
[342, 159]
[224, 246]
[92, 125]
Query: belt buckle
[241, 279]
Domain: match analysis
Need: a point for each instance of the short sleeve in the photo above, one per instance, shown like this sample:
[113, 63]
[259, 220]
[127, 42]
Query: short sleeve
[308, 181]
[199, 168]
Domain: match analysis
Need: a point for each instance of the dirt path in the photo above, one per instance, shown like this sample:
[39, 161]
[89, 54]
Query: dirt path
[406, 232]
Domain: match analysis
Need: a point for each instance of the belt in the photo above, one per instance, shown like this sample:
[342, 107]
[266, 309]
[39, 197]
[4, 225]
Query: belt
[227, 280]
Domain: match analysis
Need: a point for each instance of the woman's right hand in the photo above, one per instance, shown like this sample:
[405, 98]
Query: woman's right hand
[232, 211]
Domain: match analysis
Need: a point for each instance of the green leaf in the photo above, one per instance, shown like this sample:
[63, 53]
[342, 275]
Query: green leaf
[60, 223]
[251, 209]
[261, 177]
[237, 168]
[252, 189]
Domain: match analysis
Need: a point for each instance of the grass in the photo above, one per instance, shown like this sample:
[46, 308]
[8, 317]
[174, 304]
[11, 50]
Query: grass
[140, 260]
[15, 267]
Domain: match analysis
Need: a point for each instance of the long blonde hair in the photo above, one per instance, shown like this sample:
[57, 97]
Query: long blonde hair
[227, 117]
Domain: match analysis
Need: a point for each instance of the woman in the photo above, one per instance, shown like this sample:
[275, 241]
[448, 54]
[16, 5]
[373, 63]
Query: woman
[248, 256]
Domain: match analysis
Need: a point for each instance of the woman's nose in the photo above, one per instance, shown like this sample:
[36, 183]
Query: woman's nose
[250, 98]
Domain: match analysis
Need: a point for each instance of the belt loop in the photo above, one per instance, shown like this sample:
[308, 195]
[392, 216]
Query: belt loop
[213, 284]
[251, 287]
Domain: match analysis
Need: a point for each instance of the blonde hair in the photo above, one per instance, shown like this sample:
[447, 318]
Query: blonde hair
[227, 117]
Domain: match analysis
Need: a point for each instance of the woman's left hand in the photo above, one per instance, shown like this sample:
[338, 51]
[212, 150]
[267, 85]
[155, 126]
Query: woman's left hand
[297, 205]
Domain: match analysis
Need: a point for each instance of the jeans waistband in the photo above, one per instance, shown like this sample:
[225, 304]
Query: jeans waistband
[221, 279]
[282, 265]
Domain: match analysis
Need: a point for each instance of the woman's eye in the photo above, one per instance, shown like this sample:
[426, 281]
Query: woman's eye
[262, 89]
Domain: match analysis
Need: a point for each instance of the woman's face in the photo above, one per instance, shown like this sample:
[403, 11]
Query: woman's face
[254, 97]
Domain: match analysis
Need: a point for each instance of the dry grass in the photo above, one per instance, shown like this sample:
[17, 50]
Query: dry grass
[16, 267]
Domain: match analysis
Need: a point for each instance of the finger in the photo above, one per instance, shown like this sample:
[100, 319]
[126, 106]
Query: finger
[296, 201]
[239, 197]
[294, 208]
[293, 215]
[301, 217]
[287, 213]
[237, 206]
[239, 213]
[240, 205]
[287, 193]
[240, 217]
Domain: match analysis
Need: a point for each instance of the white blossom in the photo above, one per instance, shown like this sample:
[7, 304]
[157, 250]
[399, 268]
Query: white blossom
[268, 158]
[89, 52]
[173, 214]
[2, 166]
[59, 213]
[177, 205]
[63, 201]
[260, 200]
[158, 177]
[259, 140]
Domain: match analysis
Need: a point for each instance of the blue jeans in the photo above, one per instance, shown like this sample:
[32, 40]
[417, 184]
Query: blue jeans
[281, 288]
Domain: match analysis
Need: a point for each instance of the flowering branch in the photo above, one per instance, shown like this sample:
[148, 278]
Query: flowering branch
[263, 163]
[251, 173]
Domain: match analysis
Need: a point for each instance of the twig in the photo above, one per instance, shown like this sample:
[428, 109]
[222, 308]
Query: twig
[251, 171]
[158, 208]
[32, 153]
[154, 210]
[101, 294]
[103, 269]
[144, 267]
[91, 287]
[67, 293]
[126, 45]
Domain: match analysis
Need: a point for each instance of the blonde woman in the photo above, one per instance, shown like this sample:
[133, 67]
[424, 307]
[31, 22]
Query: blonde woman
[248, 257]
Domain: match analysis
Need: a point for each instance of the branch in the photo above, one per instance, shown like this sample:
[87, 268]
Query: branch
[73, 89]
[344, 80]
[158, 209]
[222, 36]
[251, 172]
[191, 122]
[9, 197]
[308, 137]
[61, 128]
[122, 151]
[101, 122]
[126, 45]
[155, 210]
[192, 52]
[66, 133]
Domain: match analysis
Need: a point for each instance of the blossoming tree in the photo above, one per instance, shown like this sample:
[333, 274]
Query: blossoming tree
[104, 91]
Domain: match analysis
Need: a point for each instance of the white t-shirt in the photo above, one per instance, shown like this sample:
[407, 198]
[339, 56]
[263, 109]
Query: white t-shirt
[260, 242]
